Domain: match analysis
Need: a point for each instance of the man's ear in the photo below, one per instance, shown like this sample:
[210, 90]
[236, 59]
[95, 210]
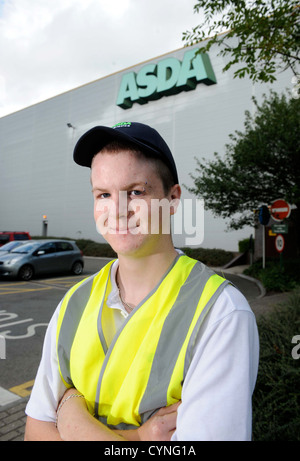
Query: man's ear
[175, 194]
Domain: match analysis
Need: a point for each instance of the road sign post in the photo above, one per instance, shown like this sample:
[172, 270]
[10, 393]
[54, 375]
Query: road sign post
[264, 218]
[280, 210]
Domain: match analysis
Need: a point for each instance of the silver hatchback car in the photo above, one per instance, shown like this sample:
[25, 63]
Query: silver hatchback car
[42, 257]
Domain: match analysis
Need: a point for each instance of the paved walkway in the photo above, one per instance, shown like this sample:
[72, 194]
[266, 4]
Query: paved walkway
[260, 302]
[12, 421]
[12, 416]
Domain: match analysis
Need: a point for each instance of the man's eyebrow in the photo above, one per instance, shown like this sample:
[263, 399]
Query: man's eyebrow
[126, 187]
[98, 188]
[140, 183]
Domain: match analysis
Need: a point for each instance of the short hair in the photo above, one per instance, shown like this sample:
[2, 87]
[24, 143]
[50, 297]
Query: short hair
[161, 168]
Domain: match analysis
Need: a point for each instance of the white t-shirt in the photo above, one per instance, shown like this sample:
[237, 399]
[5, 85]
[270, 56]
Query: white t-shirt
[217, 391]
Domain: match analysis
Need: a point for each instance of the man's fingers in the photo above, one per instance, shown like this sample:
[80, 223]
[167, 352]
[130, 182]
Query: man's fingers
[166, 419]
[169, 421]
[161, 426]
[170, 409]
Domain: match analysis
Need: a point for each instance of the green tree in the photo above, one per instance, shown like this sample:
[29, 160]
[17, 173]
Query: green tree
[259, 165]
[267, 33]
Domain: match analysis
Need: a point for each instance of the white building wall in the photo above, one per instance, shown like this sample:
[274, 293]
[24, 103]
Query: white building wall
[38, 175]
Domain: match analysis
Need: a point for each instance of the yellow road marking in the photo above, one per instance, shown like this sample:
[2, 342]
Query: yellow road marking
[66, 278]
[60, 283]
[23, 390]
[19, 287]
[64, 282]
[24, 290]
[10, 284]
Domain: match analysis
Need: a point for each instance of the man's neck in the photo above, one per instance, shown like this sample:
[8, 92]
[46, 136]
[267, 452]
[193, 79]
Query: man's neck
[138, 276]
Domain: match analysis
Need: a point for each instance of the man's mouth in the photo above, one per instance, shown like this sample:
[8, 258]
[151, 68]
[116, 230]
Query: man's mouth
[122, 229]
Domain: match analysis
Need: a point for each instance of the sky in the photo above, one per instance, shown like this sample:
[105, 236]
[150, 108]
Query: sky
[52, 46]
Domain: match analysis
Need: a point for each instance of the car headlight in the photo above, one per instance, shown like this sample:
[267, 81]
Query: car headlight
[11, 261]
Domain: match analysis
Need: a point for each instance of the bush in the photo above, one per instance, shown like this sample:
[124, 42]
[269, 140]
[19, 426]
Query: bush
[276, 399]
[91, 248]
[275, 277]
[210, 257]
[245, 245]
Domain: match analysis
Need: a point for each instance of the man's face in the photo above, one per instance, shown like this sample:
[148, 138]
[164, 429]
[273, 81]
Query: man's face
[127, 191]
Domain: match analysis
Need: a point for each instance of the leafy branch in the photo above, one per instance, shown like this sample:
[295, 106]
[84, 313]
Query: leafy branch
[264, 35]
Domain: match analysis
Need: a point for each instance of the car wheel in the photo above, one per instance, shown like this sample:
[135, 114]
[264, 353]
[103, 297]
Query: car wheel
[77, 268]
[26, 272]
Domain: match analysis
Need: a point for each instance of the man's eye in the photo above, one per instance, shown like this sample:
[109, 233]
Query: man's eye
[104, 195]
[136, 193]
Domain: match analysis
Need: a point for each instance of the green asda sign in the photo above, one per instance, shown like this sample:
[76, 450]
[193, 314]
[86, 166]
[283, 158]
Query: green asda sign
[170, 76]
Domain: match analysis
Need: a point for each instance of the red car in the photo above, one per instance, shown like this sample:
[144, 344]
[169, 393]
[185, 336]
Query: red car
[7, 236]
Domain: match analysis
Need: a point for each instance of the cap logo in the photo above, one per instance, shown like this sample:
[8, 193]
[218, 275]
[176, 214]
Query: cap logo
[122, 124]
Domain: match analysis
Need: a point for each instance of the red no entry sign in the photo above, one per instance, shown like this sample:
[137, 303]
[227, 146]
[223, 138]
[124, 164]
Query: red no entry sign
[280, 210]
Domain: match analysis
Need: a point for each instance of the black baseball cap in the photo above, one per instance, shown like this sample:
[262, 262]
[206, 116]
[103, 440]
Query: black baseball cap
[143, 136]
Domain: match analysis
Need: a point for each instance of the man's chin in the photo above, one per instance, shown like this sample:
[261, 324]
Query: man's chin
[126, 243]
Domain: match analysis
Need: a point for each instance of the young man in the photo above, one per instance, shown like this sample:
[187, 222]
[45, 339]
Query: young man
[155, 346]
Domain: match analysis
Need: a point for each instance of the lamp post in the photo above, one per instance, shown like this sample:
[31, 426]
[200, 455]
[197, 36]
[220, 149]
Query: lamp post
[45, 226]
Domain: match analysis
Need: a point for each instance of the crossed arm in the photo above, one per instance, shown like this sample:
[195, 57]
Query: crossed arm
[75, 423]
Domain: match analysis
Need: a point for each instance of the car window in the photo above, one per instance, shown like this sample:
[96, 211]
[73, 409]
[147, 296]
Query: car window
[4, 239]
[64, 246]
[21, 237]
[48, 248]
[27, 248]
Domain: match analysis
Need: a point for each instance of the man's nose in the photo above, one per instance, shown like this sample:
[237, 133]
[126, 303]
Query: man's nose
[121, 204]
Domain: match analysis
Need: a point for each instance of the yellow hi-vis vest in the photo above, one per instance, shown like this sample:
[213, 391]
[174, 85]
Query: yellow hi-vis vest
[127, 375]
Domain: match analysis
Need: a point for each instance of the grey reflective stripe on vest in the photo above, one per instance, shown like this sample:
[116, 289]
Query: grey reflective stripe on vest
[69, 325]
[99, 323]
[194, 335]
[176, 326]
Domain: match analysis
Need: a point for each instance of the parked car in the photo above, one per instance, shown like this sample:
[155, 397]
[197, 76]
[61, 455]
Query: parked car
[7, 236]
[42, 257]
[8, 247]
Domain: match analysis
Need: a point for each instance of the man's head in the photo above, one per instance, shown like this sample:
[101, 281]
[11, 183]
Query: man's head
[130, 184]
[139, 136]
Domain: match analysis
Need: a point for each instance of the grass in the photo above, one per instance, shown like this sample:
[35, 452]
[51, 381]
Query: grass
[276, 399]
[276, 276]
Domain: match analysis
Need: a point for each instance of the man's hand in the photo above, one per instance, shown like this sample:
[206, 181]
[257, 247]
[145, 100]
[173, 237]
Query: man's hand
[161, 426]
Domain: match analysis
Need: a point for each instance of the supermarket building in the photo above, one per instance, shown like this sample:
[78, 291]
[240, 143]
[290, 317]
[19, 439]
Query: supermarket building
[187, 98]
